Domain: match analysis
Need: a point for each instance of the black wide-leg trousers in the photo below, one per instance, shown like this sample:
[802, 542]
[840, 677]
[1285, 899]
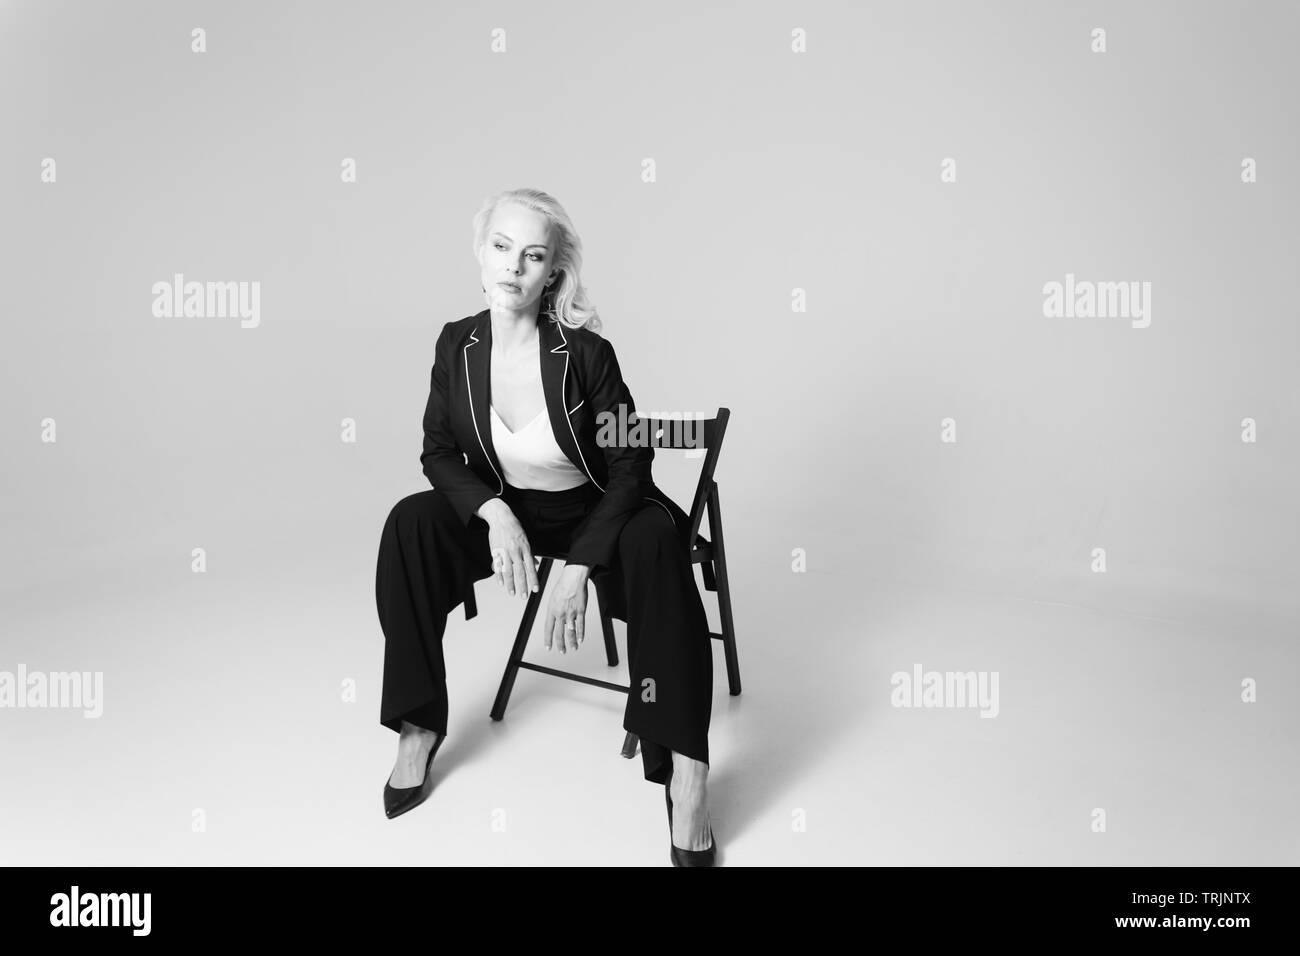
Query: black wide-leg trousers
[429, 558]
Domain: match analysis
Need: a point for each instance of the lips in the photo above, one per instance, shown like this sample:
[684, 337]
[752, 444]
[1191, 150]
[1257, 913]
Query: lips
[508, 287]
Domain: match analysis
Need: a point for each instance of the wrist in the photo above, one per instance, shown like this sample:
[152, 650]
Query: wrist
[492, 509]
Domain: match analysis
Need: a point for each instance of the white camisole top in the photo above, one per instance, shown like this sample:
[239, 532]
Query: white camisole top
[530, 457]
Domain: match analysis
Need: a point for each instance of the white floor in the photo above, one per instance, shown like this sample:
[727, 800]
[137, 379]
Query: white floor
[223, 697]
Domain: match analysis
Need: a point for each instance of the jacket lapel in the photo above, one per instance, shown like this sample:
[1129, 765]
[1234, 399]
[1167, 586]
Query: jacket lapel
[555, 383]
[476, 366]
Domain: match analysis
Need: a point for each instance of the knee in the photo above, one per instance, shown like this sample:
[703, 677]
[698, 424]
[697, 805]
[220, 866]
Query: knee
[422, 508]
[649, 530]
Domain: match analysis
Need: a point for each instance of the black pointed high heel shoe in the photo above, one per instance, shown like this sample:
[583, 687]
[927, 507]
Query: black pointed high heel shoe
[687, 857]
[397, 800]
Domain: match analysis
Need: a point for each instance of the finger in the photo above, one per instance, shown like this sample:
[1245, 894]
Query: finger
[548, 627]
[530, 563]
[581, 622]
[521, 576]
[559, 633]
[497, 565]
[508, 571]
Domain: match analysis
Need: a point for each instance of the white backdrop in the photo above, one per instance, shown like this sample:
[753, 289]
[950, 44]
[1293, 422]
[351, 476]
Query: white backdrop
[766, 197]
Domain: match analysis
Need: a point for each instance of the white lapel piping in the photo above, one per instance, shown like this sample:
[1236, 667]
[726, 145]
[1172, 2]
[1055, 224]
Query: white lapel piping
[665, 507]
[563, 347]
[469, 389]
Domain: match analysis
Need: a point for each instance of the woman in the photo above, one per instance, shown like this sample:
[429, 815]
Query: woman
[518, 394]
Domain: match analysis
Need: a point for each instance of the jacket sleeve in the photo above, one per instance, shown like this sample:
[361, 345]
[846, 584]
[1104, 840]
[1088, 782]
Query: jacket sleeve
[595, 541]
[443, 462]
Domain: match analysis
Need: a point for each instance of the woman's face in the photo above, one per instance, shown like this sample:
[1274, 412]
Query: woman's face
[518, 257]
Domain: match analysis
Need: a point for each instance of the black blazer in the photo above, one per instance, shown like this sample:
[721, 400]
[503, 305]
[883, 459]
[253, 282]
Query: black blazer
[580, 379]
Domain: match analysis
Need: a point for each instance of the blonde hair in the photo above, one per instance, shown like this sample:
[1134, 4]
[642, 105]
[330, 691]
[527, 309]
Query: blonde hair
[564, 300]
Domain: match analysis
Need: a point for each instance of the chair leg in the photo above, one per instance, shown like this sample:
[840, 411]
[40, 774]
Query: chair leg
[629, 745]
[606, 625]
[521, 641]
[710, 582]
[724, 592]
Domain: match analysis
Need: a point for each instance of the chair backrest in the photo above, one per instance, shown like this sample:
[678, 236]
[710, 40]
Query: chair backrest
[692, 433]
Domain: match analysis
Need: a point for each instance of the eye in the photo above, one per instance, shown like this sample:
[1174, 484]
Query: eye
[537, 257]
[497, 245]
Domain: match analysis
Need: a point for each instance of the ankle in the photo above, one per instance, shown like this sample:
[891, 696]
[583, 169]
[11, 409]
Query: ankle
[690, 773]
[410, 728]
[413, 736]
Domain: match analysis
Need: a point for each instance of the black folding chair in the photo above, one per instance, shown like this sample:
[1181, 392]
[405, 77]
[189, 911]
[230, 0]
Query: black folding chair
[711, 556]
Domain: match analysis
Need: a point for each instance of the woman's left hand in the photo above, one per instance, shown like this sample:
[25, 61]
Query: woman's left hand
[568, 604]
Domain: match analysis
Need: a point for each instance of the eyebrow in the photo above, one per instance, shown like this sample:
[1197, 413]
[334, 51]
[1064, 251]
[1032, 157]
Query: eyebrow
[535, 245]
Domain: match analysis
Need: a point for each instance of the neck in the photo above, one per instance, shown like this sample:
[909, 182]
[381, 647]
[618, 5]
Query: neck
[511, 329]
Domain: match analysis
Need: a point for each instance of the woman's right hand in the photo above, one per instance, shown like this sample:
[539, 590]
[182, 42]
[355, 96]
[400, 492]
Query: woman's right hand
[512, 556]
